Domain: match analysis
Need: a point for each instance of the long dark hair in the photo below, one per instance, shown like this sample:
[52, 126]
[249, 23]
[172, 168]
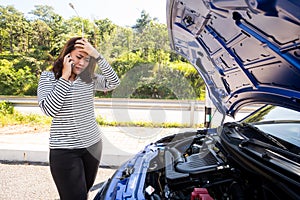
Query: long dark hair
[87, 75]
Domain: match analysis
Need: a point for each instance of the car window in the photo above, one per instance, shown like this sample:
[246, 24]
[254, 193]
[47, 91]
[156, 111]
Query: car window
[278, 121]
[272, 113]
[289, 132]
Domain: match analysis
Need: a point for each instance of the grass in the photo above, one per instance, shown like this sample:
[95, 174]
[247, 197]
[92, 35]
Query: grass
[101, 121]
[39, 120]
[24, 119]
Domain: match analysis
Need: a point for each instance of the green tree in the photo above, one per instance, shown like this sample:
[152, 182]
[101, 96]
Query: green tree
[41, 37]
[148, 80]
[16, 82]
[143, 22]
[44, 13]
[154, 42]
[151, 38]
[140, 54]
[106, 32]
[13, 28]
[54, 26]
[122, 43]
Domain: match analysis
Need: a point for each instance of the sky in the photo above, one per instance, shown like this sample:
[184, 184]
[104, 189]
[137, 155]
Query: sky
[120, 12]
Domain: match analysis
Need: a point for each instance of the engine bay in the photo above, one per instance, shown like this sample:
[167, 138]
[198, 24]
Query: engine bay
[197, 161]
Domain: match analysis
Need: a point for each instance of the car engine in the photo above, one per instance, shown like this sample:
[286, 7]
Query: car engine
[195, 165]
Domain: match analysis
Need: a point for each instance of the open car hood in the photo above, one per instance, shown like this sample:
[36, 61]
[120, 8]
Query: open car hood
[247, 51]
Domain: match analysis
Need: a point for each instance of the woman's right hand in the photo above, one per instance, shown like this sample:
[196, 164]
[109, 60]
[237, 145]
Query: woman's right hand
[67, 67]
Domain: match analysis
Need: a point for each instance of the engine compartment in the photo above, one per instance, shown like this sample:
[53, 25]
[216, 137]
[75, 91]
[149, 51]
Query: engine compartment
[197, 161]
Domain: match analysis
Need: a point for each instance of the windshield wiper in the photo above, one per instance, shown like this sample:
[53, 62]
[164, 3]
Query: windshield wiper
[256, 142]
[276, 122]
[265, 135]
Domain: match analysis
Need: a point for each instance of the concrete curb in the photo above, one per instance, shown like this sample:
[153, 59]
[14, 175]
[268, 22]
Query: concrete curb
[119, 144]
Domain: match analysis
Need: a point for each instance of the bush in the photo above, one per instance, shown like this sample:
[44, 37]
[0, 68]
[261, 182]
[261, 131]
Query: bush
[8, 116]
[6, 108]
[16, 82]
[157, 81]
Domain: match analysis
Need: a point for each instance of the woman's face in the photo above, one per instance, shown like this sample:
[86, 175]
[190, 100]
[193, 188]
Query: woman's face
[80, 59]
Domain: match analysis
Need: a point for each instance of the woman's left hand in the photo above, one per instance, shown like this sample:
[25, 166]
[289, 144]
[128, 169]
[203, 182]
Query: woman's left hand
[87, 47]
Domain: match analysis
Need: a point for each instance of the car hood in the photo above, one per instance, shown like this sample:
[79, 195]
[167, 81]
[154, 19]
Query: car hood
[247, 51]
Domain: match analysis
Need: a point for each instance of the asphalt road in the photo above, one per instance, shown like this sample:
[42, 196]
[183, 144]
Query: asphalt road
[34, 181]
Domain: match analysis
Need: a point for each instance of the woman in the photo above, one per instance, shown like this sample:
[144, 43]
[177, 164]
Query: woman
[66, 94]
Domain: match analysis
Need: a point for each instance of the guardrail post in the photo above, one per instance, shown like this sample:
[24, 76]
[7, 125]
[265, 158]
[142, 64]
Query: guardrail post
[192, 113]
[207, 110]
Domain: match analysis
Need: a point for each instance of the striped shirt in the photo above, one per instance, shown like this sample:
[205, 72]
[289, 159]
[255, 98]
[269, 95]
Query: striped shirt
[71, 106]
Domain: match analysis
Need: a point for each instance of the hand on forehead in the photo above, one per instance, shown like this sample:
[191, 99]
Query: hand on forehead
[85, 46]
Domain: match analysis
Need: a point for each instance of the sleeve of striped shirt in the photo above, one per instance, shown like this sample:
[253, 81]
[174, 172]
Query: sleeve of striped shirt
[108, 80]
[51, 95]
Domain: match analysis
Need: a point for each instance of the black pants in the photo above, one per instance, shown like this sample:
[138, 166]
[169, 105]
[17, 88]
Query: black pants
[74, 170]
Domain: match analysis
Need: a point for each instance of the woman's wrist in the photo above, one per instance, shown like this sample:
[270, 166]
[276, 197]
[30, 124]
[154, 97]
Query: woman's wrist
[99, 57]
[94, 53]
[65, 77]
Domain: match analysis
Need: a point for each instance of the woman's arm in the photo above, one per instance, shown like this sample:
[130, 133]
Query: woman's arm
[51, 96]
[108, 80]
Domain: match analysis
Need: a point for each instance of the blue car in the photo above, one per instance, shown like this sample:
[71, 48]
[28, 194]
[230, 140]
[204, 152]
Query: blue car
[248, 54]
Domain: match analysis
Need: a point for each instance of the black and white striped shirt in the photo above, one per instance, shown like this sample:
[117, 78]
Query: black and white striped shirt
[71, 106]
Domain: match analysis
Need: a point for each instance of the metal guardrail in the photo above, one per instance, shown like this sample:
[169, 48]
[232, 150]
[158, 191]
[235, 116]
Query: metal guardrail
[120, 103]
[190, 108]
[123, 103]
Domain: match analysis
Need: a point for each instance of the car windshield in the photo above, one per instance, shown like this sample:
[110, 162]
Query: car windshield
[277, 121]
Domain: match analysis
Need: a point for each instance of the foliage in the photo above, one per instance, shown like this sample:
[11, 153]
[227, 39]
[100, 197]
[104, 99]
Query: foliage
[102, 122]
[6, 108]
[163, 82]
[152, 80]
[192, 76]
[15, 81]
[8, 116]
[141, 54]
[142, 22]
